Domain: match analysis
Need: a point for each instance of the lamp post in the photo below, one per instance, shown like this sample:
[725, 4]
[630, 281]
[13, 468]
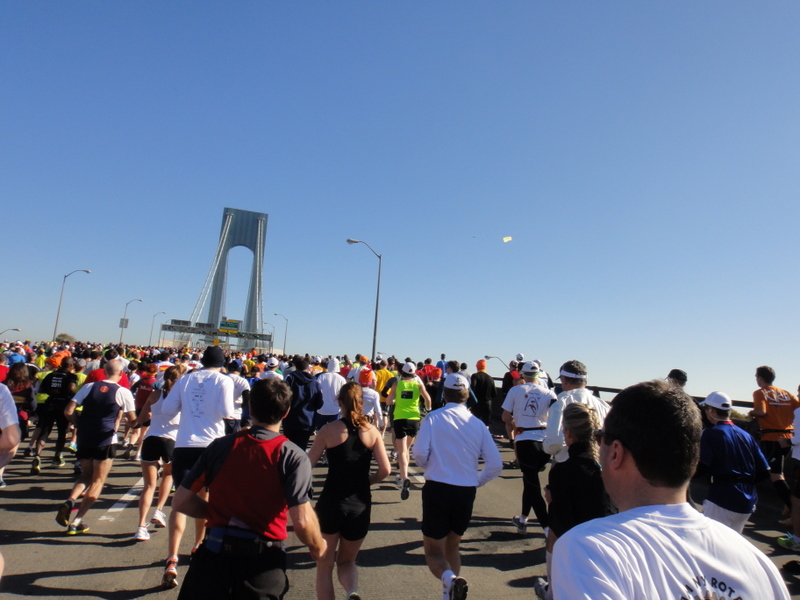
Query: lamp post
[271, 338]
[150, 342]
[4, 330]
[285, 331]
[377, 296]
[487, 357]
[124, 316]
[61, 298]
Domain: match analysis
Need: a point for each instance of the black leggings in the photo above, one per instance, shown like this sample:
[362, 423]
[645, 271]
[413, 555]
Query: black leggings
[50, 413]
[532, 459]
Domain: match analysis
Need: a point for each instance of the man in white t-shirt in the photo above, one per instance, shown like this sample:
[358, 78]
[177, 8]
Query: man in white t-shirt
[525, 410]
[573, 375]
[204, 399]
[658, 546]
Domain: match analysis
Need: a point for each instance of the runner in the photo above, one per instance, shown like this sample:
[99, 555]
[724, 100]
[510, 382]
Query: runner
[243, 555]
[451, 443]
[345, 502]
[158, 445]
[404, 396]
[103, 405]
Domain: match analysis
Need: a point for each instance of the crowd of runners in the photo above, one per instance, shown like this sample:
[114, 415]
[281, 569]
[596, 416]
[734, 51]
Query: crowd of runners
[235, 435]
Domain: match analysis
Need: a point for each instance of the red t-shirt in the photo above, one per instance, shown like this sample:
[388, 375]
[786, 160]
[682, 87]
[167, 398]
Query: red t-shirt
[100, 375]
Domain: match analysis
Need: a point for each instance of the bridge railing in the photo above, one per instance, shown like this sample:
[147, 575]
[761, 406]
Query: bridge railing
[597, 389]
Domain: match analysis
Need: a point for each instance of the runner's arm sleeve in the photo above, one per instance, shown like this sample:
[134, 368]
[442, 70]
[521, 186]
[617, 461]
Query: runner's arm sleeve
[125, 400]
[8, 410]
[227, 406]
[553, 436]
[295, 475]
[422, 447]
[492, 462]
[82, 393]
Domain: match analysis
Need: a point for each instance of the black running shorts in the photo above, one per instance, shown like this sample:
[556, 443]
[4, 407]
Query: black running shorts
[97, 453]
[406, 427]
[446, 508]
[156, 448]
[349, 517]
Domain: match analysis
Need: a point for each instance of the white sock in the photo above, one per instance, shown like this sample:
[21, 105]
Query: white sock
[447, 579]
[76, 522]
[523, 519]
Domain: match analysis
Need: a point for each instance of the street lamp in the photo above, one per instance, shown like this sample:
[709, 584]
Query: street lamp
[150, 342]
[271, 337]
[4, 330]
[377, 297]
[487, 357]
[123, 323]
[285, 331]
[63, 283]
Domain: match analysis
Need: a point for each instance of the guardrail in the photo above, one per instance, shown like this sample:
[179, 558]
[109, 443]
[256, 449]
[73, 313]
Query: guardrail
[596, 389]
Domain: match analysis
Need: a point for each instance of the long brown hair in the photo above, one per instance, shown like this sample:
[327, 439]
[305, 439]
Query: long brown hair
[171, 375]
[352, 400]
[18, 377]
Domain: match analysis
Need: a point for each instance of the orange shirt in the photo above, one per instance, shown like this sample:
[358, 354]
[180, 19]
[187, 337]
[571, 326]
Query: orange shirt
[779, 406]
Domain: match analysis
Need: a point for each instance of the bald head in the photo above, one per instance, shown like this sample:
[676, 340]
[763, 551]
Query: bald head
[113, 369]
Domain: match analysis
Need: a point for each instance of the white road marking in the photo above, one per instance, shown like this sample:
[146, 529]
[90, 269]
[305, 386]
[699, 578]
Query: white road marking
[122, 503]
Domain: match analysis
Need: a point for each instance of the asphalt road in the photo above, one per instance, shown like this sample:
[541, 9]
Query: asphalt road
[41, 560]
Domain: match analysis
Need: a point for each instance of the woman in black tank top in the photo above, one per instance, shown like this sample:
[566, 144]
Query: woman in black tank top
[345, 502]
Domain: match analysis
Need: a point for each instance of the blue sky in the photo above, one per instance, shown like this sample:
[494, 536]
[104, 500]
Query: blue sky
[643, 157]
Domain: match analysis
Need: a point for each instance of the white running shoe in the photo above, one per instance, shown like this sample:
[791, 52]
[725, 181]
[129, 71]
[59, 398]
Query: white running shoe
[159, 519]
[142, 535]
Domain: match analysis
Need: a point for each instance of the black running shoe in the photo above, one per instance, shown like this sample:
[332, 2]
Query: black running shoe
[62, 517]
[406, 489]
[458, 589]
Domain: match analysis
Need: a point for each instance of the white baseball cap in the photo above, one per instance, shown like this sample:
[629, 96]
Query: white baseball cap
[719, 400]
[409, 368]
[456, 381]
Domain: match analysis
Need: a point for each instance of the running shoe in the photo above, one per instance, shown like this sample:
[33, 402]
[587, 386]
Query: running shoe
[59, 461]
[540, 586]
[789, 543]
[72, 447]
[458, 589]
[141, 535]
[522, 528]
[170, 578]
[406, 489]
[36, 466]
[128, 454]
[159, 519]
[3, 484]
[62, 516]
[398, 483]
[28, 452]
[77, 529]
[353, 596]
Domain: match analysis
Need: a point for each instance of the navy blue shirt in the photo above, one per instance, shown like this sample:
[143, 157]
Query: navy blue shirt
[734, 460]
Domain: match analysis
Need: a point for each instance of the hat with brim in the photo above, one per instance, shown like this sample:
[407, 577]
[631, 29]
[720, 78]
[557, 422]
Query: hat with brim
[719, 400]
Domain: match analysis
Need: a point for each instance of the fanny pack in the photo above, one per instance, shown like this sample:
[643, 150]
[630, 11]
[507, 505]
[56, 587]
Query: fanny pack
[229, 540]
